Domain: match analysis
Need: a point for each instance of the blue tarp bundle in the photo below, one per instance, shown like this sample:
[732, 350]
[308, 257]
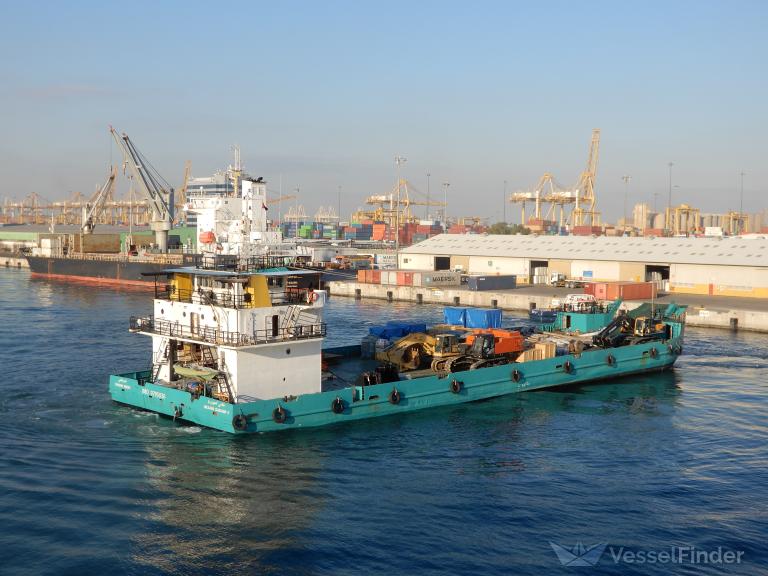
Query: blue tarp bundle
[472, 317]
[483, 318]
[455, 316]
[395, 329]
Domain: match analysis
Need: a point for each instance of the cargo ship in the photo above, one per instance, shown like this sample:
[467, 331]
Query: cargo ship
[119, 269]
[231, 220]
[241, 350]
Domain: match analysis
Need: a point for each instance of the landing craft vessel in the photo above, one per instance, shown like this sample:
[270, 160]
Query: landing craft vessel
[238, 347]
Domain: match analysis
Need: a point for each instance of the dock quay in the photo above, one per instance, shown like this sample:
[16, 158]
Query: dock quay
[13, 260]
[731, 313]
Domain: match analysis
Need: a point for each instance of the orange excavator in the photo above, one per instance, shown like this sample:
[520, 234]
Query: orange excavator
[486, 348]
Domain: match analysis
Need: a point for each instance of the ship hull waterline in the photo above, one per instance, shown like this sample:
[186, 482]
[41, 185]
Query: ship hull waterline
[313, 410]
[116, 272]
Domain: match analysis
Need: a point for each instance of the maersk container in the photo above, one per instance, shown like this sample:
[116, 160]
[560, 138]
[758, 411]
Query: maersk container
[440, 278]
[480, 283]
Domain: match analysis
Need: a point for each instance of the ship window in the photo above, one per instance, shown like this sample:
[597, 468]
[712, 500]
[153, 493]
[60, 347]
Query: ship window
[287, 350]
[162, 311]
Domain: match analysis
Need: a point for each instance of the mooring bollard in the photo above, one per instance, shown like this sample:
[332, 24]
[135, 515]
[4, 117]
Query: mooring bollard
[494, 303]
[734, 324]
[456, 300]
[419, 298]
[389, 295]
[531, 305]
[358, 294]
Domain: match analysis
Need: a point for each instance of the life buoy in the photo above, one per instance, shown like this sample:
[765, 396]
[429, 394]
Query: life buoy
[279, 415]
[654, 353]
[394, 396]
[568, 366]
[456, 386]
[610, 360]
[337, 406]
[516, 375]
[240, 422]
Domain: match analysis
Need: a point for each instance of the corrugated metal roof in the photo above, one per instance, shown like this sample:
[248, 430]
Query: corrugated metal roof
[726, 251]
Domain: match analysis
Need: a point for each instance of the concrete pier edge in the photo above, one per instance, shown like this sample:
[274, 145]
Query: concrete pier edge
[732, 318]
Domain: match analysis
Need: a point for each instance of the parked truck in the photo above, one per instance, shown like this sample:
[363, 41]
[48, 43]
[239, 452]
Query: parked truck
[562, 281]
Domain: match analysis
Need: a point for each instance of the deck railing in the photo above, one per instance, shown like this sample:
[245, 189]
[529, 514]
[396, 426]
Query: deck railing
[222, 337]
[236, 263]
[212, 297]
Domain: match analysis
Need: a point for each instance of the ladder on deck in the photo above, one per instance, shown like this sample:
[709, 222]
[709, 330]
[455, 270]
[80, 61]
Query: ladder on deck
[159, 358]
[296, 316]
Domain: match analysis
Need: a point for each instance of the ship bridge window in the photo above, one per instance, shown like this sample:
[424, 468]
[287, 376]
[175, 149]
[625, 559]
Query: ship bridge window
[205, 282]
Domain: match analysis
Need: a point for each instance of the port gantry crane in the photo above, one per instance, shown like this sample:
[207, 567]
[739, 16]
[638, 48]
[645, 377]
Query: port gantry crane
[582, 194]
[93, 208]
[154, 188]
[396, 206]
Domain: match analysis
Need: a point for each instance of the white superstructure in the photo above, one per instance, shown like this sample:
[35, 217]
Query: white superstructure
[243, 327]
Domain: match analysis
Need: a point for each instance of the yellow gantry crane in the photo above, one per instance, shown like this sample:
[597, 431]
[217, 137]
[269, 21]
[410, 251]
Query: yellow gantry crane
[582, 194]
[396, 206]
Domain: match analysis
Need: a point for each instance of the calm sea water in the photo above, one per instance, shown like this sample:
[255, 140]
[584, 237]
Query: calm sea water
[644, 464]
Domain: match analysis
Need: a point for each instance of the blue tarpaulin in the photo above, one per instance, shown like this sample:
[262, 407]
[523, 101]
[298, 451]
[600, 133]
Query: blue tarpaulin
[483, 318]
[455, 316]
[395, 329]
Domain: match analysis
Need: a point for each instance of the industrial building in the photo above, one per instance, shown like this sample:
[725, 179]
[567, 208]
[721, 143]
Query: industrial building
[716, 266]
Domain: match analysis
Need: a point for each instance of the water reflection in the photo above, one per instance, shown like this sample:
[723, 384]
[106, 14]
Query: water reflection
[229, 497]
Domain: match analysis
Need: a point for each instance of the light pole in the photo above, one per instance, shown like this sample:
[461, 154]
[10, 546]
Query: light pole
[399, 160]
[426, 210]
[445, 204]
[741, 204]
[339, 202]
[669, 201]
[626, 179]
[297, 212]
[504, 202]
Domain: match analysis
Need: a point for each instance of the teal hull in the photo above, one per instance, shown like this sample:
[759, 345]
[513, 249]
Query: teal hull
[134, 389]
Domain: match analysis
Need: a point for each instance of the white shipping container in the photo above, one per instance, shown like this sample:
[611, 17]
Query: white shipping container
[417, 279]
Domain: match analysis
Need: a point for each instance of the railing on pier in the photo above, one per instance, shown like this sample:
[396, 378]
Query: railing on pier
[225, 338]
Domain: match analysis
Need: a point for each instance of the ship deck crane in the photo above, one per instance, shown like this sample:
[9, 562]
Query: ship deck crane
[96, 204]
[153, 187]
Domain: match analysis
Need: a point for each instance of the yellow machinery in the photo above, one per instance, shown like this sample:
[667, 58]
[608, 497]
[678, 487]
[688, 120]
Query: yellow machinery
[417, 350]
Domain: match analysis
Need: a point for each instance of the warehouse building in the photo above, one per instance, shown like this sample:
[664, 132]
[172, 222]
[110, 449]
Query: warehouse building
[716, 266]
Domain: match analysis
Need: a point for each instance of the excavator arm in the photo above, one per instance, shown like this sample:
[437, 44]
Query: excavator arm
[410, 352]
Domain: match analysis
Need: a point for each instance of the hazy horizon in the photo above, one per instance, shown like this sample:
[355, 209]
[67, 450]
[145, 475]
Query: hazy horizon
[325, 95]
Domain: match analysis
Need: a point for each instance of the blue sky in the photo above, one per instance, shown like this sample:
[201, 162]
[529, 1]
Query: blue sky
[327, 93]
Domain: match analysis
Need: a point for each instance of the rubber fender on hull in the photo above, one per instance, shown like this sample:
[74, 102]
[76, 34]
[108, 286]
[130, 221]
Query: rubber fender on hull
[279, 415]
[610, 360]
[240, 422]
[568, 366]
[394, 396]
[337, 406]
[456, 386]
